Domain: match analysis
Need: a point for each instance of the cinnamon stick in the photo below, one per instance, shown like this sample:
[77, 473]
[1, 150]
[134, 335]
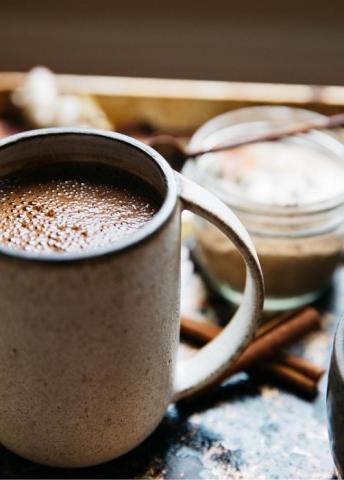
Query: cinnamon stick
[272, 342]
[205, 332]
[270, 338]
[302, 365]
[272, 323]
[290, 376]
[199, 331]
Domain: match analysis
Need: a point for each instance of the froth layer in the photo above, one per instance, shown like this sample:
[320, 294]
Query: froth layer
[71, 207]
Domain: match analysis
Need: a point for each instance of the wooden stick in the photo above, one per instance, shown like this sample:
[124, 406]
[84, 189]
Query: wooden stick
[333, 121]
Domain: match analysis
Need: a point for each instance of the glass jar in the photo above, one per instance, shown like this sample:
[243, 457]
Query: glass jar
[299, 245]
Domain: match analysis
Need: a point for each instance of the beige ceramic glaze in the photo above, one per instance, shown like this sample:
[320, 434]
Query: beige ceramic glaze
[88, 342]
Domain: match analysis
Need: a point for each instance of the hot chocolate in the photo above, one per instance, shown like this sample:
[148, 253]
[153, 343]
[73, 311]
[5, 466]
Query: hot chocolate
[72, 206]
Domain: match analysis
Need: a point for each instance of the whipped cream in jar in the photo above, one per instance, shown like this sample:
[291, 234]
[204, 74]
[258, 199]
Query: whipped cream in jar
[290, 196]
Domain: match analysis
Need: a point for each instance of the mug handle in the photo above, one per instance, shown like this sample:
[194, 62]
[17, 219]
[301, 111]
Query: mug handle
[206, 368]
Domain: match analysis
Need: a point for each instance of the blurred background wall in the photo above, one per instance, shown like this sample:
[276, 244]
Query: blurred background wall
[278, 41]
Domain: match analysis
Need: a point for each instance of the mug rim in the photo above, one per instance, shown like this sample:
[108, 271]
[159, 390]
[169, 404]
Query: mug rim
[118, 246]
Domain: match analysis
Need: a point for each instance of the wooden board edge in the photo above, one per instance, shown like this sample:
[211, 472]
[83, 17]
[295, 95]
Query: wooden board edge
[188, 89]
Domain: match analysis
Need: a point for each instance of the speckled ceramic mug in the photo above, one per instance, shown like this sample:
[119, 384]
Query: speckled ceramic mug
[88, 341]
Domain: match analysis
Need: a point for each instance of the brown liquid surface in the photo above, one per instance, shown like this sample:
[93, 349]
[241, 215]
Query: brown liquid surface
[71, 207]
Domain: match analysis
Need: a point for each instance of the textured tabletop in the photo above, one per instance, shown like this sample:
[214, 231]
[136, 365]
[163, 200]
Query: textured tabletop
[247, 428]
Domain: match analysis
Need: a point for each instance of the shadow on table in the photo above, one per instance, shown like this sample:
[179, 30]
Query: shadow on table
[149, 459]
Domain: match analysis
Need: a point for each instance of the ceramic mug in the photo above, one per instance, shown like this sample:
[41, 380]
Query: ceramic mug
[335, 399]
[88, 341]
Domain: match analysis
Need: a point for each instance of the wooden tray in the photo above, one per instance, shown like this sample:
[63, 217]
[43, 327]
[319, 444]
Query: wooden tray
[248, 428]
[181, 105]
